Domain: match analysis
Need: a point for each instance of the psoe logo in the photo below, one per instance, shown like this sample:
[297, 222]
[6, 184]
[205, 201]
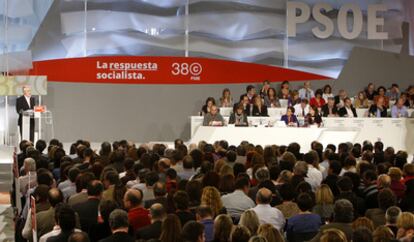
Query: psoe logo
[193, 70]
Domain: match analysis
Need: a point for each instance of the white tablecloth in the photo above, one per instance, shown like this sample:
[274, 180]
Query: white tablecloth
[398, 133]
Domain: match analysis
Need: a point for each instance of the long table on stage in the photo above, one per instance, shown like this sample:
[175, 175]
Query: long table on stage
[398, 133]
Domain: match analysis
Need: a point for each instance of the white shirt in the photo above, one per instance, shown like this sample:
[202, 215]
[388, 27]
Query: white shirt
[269, 215]
[314, 177]
[349, 112]
[325, 165]
[236, 203]
[298, 110]
[28, 101]
[56, 231]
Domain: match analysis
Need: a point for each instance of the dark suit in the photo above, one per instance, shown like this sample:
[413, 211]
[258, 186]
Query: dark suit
[118, 237]
[325, 110]
[373, 111]
[88, 213]
[343, 113]
[152, 231]
[243, 120]
[262, 112]
[22, 105]
[293, 119]
[246, 109]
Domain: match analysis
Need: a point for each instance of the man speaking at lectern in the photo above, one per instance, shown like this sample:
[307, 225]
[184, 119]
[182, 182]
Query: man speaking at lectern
[23, 103]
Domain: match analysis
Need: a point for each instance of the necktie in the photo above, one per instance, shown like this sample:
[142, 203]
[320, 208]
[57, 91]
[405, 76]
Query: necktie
[303, 112]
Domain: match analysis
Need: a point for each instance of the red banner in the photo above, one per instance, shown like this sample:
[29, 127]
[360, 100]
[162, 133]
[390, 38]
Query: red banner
[163, 70]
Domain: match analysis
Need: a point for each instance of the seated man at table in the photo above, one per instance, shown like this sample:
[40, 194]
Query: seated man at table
[329, 109]
[348, 109]
[302, 108]
[399, 110]
[378, 109]
[290, 118]
[244, 100]
[239, 118]
[213, 118]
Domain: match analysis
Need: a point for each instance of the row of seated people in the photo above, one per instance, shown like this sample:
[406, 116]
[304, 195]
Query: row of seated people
[216, 192]
[378, 102]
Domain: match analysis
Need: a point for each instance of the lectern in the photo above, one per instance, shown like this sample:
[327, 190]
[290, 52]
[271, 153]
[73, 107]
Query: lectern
[43, 125]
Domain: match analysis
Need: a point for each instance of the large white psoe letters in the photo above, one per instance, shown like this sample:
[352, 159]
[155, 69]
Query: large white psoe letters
[299, 13]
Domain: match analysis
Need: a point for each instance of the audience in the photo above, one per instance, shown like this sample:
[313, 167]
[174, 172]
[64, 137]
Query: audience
[203, 192]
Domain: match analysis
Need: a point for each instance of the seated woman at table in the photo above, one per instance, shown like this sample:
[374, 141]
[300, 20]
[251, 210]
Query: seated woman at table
[239, 118]
[213, 118]
[210, 101]
[381, 93]
[378, 109]
[293, 99]
[313, 117]
[259, 109]
[327, 92]
[271, 100]
[226, 100]
[284, 92]
[361, 101]
[317, 101]
[290, 118]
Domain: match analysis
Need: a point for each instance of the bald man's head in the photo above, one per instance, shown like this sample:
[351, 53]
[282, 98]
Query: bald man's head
[157, 212]
[133, 198]
[263, 196]
[55, 196]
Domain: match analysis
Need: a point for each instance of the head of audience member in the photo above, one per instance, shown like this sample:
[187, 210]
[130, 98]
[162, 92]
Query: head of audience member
[343, 211]
[381, 91]
[370, 88]
[327, 89]
[211, 198]
[405, 224]
[300, 169]
[78, 237]
[193, 232]
[263, 196]
[181, 201]
[133, 199]
[55, 197]
[303, 103]
[408, 170]
[363, 222]
[304, 202]
[160, 190]
[392, 214]
[223, 226]
[270, 233]
[250, 220]
[118, 221]
[240, 234]
[323, 195]
[383, 234]
[66, 218]
[29, 165]
[361, 96]
[95, 189]
[342, 94]
[157, 212]
[204, 212]
[333, 235]
[307, 85]
[171, 229]
[83, 180]
[41, 193]
[271, 92]
[151, 178]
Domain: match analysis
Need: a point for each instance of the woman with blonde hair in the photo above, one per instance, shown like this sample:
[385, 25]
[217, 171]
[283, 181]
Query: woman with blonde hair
[212, 199]
[382, 234]
[250, 220]
[223, 226]
[324, 199]
[270, 233]
[226, 100]
[405, 225]
[333, 235]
